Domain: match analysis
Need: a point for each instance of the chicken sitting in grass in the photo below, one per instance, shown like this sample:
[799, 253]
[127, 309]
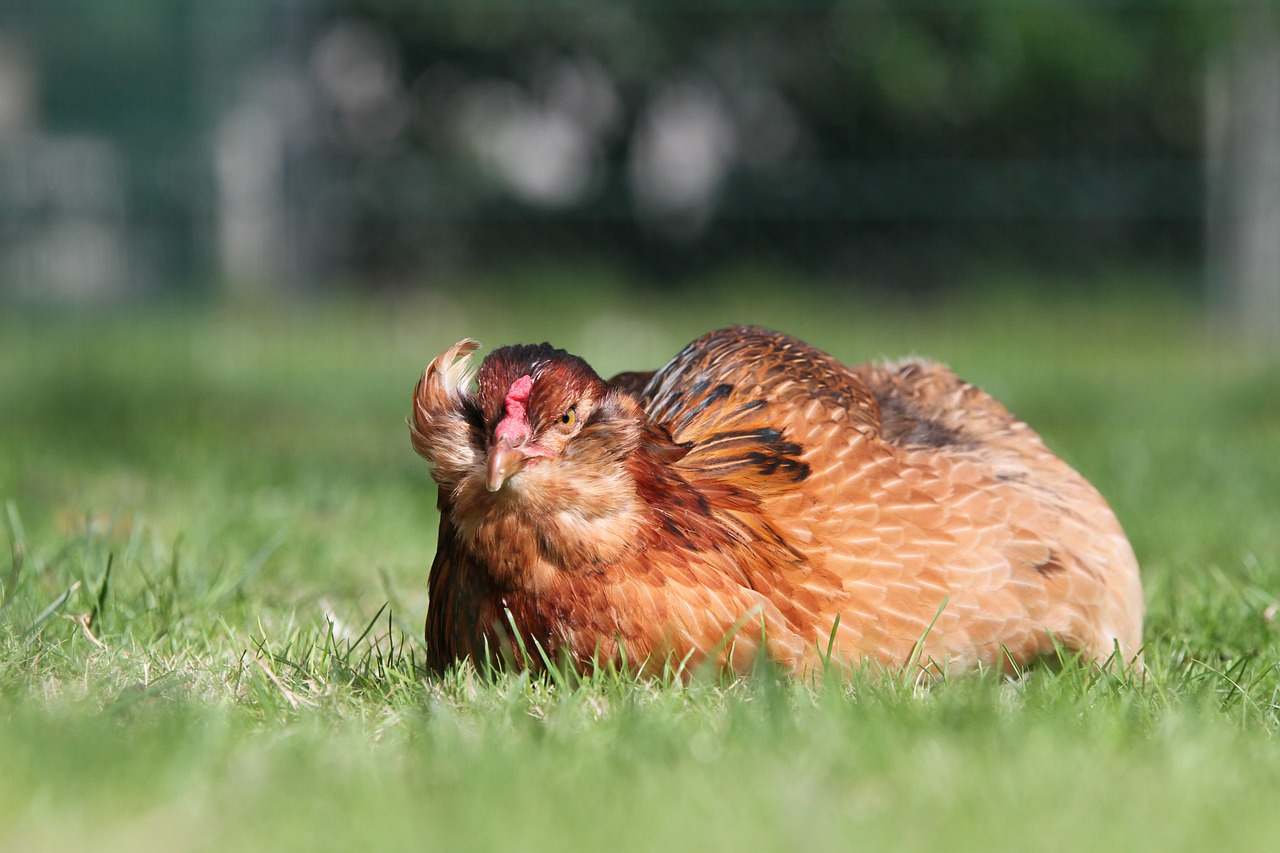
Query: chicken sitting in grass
[757, 496]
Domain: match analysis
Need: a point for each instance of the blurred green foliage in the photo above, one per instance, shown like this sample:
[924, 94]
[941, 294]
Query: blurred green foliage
[906, 140]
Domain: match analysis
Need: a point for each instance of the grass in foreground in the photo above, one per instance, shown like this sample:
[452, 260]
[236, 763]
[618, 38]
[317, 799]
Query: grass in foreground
[218, 543]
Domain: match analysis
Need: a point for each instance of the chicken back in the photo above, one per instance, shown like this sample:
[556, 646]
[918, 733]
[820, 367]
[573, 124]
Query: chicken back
[757, 496]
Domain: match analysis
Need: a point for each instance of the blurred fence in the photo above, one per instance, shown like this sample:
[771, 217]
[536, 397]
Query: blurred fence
[148, 145]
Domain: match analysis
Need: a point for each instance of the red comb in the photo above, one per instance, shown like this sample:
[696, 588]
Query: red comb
[515, 426]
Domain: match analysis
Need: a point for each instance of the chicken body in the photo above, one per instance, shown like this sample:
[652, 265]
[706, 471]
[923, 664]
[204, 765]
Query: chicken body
[756, 495]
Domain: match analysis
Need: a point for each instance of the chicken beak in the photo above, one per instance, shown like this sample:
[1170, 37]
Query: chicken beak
[504, 460]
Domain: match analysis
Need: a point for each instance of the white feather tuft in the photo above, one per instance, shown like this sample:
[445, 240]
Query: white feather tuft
[453, 369]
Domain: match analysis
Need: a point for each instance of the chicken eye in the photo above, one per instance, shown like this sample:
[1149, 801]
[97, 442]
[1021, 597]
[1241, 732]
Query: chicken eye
[569, 418]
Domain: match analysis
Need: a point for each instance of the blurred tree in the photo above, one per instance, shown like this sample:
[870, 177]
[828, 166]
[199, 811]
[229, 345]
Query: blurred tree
[1243, 93]
[140, 163]
[812, 131]
[275, 141]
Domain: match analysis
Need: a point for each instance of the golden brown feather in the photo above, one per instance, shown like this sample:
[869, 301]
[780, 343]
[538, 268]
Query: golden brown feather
[757, 491]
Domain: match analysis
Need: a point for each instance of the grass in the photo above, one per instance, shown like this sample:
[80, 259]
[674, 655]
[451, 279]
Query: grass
[219, 538]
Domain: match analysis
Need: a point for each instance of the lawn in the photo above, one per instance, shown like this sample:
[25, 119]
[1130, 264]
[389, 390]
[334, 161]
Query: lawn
[212, 584]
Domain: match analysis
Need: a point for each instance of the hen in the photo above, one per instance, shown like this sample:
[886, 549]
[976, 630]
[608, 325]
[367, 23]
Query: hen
[755, 494]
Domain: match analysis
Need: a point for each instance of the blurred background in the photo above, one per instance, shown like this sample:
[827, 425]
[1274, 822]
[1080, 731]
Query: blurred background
[196, 150]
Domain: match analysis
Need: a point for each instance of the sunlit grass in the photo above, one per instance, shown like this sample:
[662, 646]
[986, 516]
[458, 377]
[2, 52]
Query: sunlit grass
[217, 544]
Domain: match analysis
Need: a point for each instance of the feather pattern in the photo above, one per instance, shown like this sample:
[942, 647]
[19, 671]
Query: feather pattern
[757, 496]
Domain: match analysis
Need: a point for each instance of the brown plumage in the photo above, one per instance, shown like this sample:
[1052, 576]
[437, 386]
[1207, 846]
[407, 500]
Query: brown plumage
[755, 490]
